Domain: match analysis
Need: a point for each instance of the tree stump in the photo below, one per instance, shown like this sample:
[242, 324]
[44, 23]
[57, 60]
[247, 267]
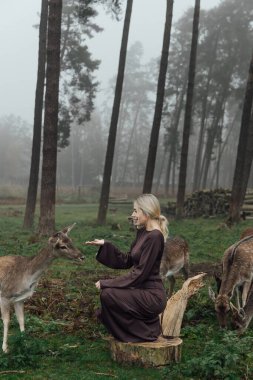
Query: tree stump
[147, 354]
[167, 348]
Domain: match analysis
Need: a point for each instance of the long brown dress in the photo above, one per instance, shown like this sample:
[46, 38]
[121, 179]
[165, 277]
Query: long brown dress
[131, 303]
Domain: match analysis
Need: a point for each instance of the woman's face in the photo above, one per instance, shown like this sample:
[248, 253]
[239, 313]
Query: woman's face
[139, 218]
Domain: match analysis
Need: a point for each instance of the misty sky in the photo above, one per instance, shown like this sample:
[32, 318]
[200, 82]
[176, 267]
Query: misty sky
[19, 46]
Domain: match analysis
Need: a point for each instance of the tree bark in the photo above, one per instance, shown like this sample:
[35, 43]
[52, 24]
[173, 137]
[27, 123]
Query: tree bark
[37, 123]
[172, 317]
[188, 113]
[48, 180]
[147, 354]
[105, 190]
[150, 166]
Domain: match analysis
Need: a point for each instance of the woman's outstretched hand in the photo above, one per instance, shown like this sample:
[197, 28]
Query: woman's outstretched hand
[97, 284]
[95, 242]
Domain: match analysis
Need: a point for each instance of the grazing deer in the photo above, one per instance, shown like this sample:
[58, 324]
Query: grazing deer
[237, 270]
[175, 258]
[19, 276]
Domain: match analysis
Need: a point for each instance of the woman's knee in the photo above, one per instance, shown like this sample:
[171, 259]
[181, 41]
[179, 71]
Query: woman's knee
[106, 296]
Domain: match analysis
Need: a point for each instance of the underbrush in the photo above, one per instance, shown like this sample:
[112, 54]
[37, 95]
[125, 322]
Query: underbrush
[213, 355]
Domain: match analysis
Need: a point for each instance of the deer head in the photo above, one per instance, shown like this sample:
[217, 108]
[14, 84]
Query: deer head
[63, 247]
[222, 307]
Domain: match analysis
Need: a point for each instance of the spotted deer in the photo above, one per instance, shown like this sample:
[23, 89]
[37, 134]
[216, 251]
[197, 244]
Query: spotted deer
[19, 276]
[237, 271]
[175, 259]
[241, 317]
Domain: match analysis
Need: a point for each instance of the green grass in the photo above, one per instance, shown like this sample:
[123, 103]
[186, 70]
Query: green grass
[54, 347]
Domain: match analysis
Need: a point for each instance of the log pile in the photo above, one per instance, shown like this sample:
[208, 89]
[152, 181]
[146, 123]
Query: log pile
[207, 203]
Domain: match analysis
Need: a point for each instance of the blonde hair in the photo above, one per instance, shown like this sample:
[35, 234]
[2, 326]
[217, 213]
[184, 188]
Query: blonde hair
[150, 205]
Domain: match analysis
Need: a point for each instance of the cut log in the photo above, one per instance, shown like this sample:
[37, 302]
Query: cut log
[172, 317]
[147, 354]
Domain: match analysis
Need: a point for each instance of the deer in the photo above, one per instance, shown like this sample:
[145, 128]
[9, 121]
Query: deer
[241, 317]
[19, 276]
[237, 271]
[175, 259]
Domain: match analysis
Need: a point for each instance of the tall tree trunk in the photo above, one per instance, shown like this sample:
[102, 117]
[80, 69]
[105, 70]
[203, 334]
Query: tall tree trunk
[212, 135]
[64, 39]
[196, 176]
[237, 190]
[150, 166]
[172, 143]
[37, 123]
[73, 174]
[168, 172]
[159, 176]
[173, 182]
[121, 122]
[248, 159]
[188, 113]
[48, 180]
[217, 167]
[105, 190]
[218, 115]
[130, 141]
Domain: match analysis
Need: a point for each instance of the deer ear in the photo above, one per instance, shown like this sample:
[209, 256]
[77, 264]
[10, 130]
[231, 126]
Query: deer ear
[66, 230]
[211, 294]
[56, 245]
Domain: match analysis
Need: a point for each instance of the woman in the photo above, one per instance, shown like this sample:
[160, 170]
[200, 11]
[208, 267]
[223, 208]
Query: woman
[131, 303]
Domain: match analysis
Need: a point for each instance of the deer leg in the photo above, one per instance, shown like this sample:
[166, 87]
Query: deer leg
[19, 311]
[5, 311]
[185, 271]
[245, 291]
[238, 301]
[172, 281]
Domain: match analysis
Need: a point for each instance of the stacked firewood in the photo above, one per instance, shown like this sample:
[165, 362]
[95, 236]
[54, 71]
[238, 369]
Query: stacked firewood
[207, 203]
[202, 203]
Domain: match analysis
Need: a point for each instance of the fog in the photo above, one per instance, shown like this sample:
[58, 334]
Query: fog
[19, 46]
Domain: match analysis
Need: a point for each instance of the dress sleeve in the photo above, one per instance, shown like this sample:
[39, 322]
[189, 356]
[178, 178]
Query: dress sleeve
[112, 257]
[140, 273]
